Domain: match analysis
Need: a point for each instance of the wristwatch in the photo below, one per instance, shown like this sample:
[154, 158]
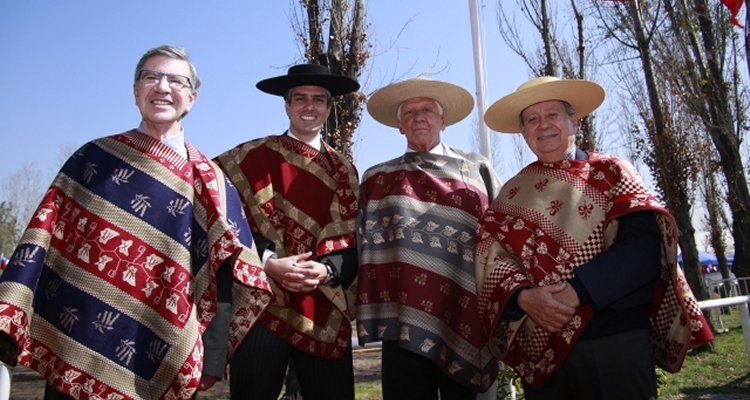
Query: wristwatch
[331, 273]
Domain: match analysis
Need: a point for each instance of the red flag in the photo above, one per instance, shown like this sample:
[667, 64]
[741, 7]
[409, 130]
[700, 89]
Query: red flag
[734, 8]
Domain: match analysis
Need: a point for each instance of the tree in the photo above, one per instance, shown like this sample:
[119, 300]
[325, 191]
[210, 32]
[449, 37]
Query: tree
[9, 232]
[23, 190]
[715, 218]
[554, 56]
[710, 89]
[346, 54]
[665, 156]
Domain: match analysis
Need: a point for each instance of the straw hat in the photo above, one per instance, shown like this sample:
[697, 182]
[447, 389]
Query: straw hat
[456, 101]
[584, 96]
[308, 74]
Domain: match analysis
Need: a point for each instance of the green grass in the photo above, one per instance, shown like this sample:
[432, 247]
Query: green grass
[367, 391]
[724, 371]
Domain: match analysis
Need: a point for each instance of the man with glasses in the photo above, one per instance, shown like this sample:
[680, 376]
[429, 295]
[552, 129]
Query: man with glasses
[115, 278]
[301, 201]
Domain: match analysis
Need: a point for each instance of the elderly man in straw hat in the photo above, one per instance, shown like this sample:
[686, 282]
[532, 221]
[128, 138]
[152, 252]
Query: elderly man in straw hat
[419, 212]
[301, 201]
[577, 261]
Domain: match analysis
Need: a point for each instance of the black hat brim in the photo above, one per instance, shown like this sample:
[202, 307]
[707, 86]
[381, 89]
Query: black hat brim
[336, 84]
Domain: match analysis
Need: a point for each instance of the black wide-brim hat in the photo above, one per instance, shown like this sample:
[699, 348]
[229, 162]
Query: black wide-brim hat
[308, 74]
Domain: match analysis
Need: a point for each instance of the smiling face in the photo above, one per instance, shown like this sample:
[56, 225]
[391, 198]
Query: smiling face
[421, 120]
[307, 108]
[162, 105]
[549, 130]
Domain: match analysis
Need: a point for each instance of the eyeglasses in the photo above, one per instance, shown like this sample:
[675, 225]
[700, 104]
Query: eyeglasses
[153, 78]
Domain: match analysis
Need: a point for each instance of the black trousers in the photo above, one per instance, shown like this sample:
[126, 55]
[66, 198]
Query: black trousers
[410, 376]
[51, 394]
[258, 368]
[614, 367]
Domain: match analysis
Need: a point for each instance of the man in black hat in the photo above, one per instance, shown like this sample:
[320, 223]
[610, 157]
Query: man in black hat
[300, 197]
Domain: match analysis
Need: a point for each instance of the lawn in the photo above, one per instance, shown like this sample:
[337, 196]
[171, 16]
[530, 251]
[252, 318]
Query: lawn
[724, 371]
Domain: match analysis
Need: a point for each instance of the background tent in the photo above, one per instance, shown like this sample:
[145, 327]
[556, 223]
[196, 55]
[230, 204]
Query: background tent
[708, 261]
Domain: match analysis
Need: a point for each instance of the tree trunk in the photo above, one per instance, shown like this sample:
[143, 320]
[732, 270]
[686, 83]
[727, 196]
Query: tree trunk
[664, 156]
[719, 123]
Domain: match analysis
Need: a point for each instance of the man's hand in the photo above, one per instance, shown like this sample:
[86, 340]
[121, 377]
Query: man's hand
[297, 273]
[207, 382]
[568, 296]
[545, 309]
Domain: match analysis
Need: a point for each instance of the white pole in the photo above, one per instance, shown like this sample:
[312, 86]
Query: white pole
[477, 40]
[745, 321]
[742, 302]
[477, 37]
[4, 382]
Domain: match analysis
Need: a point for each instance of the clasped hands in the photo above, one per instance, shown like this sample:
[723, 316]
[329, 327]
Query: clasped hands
[551, 307]
[298, 273]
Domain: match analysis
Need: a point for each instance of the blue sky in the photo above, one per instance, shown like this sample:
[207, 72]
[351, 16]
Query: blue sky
[67, 69]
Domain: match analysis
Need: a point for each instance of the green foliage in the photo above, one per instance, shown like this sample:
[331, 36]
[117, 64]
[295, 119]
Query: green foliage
[506, 379]
[10, 234]
[661, 382]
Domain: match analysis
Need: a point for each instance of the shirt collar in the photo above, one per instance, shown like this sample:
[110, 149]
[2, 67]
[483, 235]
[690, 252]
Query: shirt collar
[176, 143]
[438, 149]
[315, 143]
[571, 154]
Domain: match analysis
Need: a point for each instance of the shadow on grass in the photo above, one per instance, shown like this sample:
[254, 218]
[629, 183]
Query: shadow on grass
[738, 389]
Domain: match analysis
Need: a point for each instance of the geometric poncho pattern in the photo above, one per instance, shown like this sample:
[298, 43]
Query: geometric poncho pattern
[416, 279]
[551, 218]
[113, 282]
[301, 199]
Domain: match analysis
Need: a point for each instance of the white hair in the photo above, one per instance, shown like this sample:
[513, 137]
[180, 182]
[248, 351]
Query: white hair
[439, 106]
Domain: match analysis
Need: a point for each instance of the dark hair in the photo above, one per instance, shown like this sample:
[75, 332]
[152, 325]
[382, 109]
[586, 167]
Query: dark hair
[288, 96]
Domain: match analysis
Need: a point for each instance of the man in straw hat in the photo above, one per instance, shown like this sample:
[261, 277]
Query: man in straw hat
[114, 280]
[419, 213]
[576, 260]
[301, 201]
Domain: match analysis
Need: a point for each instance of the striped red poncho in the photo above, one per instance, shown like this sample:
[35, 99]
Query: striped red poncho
[303, 200]
[113, 282]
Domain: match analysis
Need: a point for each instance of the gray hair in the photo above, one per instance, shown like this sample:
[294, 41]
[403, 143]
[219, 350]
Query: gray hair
[439, 107]
[568, 109]
[175, 52]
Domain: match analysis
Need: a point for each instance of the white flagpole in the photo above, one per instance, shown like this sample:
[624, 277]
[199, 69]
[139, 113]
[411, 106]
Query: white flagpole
[477, 40]
[477, 37]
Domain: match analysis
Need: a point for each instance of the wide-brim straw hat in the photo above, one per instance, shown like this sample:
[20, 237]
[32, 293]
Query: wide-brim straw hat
[308, 74]
[584, 96]
[456, 101]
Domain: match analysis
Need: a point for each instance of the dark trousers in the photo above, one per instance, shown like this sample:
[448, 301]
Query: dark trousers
[410, 376]
[258, 369]
[614, 367]
[51, 394]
